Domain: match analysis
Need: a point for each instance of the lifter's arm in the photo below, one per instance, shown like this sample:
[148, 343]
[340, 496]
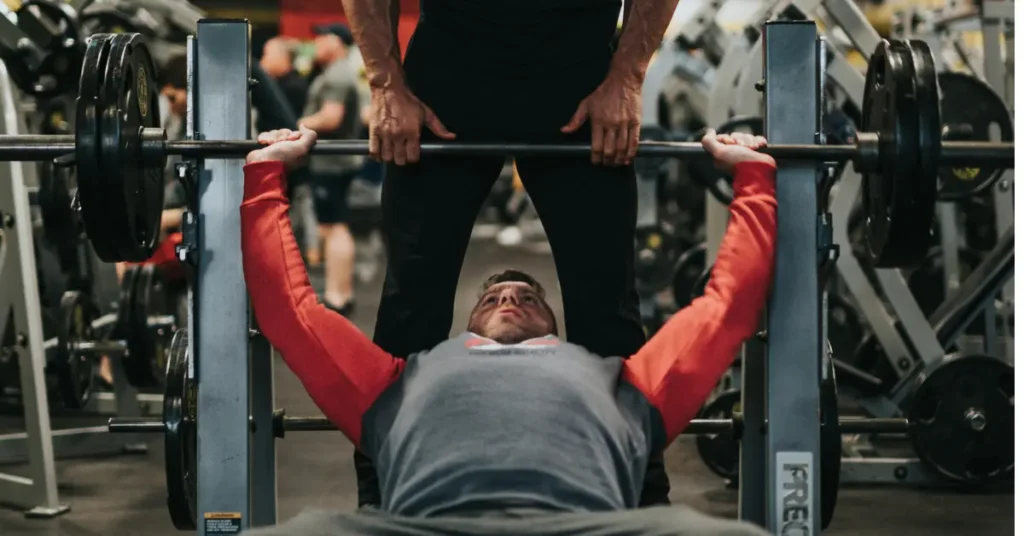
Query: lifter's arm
[343, 371]
[375, 29]
[643, 29]
[679, 366]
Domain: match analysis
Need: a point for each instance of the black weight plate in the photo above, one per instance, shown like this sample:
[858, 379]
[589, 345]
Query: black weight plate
[60, 221]
[180, 434]
[147, 345]
[687, 272]
[921, 204]
[845, 329]
[57, 73]
[703, 170]
[979, 223]
[654, 260]
[124, 302]
[75, 371]
[57, 184]
[721, 452]
[971, 110]
[962, 420]
[128, 106]
[92, 193]
[887, 191]
[831, 444]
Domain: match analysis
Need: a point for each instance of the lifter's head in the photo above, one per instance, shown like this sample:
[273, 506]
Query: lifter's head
[512, 309]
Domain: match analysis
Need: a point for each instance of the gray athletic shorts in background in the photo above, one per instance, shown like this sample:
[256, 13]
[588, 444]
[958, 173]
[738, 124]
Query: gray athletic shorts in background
[658, 521]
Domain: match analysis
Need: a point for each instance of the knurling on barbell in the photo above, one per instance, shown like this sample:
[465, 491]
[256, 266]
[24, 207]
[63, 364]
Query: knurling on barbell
[120, 149]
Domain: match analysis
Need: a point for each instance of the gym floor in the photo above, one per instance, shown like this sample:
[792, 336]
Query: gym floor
[124, 495]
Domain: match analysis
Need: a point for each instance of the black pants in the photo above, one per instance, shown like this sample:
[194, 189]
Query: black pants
[589, 215]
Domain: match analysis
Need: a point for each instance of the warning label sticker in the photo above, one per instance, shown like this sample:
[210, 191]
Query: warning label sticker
[222, 522]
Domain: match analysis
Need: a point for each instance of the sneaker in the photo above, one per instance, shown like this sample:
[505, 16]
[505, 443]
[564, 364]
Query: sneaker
[345, 310]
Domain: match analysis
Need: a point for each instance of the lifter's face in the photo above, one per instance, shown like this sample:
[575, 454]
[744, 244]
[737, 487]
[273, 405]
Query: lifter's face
[511, 313]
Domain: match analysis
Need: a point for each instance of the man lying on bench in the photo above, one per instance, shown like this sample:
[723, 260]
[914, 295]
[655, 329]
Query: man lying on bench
[505, 429]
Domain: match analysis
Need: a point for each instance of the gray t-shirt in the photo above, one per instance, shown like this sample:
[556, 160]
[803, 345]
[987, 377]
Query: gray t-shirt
[339, 82]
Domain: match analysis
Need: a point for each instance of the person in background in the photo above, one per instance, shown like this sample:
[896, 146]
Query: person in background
[332, 110]
[278, 61]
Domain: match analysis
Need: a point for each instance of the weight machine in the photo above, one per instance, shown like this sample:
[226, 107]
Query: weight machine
[40, 445]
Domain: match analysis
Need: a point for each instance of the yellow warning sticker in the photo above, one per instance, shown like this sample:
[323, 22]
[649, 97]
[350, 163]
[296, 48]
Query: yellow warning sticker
[222, 522]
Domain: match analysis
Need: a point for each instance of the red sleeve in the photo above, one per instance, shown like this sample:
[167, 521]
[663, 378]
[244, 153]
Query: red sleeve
[340, 367]
[681, 364]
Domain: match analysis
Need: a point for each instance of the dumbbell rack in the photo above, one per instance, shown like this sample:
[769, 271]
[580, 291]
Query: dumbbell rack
[40, 445]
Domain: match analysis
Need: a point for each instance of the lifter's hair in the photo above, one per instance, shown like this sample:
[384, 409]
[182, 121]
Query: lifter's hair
[174, 72]
[517, 276]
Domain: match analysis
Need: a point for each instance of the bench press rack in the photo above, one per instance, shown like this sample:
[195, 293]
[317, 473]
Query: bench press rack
[236, 386]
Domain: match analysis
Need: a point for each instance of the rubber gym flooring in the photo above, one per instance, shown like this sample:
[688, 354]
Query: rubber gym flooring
[124, 495]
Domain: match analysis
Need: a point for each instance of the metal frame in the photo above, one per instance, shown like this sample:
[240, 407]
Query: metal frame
[793, 86]
[236, 470]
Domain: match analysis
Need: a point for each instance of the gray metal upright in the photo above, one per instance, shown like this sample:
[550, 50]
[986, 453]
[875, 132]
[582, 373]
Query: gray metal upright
[220, 98]
[19, 297]
[793, 72]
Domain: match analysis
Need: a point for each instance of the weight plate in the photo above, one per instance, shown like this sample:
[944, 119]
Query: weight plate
[60, 59]
[654, 253]
[971, 111]
[921, 204]
[721, 452]
[831, 443]
[180, 434]
[979, 223]
[129, 106]
[703, 170]
[888, 191]
[687, 272]
[146, 364]
[92, 194]
[961, 418]
[845, 329]
[74, 370]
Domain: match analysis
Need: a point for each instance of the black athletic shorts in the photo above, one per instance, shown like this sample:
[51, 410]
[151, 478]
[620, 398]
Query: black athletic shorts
[330, 196]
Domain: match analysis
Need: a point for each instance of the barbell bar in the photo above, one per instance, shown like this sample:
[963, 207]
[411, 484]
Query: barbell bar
[863, 153]
[282, 423]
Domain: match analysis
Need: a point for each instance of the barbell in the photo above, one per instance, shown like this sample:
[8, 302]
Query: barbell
[282, 423]
[120, 150]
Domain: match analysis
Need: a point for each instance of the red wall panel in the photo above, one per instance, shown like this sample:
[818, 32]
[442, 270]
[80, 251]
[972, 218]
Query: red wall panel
[299, 16]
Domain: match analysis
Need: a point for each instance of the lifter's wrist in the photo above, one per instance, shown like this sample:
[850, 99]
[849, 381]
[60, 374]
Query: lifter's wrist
[389, 75]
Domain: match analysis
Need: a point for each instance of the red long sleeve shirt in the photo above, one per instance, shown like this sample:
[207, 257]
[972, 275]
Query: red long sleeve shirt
[475, 423]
